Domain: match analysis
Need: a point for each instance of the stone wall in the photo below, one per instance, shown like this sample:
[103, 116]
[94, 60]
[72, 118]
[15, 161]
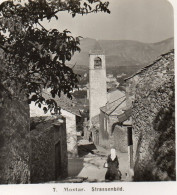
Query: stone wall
[120, 139]
[153, 117]
[103, 132]
[118, 135]
[35, 111]
[14, 141]
[112, 136]
[45, 134]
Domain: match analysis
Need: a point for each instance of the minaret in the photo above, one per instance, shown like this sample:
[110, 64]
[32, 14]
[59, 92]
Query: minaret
[97, 81]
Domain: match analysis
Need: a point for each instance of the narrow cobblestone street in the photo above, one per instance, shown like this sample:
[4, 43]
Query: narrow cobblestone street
[90, 167]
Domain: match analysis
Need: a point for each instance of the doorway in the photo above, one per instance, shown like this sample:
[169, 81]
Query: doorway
[130, 146]
[58, 163]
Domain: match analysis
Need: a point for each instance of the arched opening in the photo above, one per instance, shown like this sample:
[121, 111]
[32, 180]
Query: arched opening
[97, 62]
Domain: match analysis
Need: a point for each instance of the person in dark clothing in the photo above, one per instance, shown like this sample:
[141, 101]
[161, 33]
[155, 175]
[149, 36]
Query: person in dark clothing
[112, 165]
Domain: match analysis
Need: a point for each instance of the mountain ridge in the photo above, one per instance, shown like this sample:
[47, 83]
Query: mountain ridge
[122, 52]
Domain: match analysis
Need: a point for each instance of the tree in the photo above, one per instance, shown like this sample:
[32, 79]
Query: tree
[34, 57]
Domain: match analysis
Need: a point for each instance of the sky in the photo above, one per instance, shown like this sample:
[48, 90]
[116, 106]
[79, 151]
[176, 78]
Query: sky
[146, 21]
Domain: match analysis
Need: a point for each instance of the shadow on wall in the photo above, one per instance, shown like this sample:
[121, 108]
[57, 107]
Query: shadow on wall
[75, 165]
[119, 136]
[86, 149]
[113, 127]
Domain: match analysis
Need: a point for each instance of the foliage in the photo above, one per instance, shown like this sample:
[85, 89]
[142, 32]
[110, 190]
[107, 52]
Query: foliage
[80, 94]
[34, 57]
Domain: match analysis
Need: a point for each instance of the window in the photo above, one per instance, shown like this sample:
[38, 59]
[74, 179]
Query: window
[105, 124]
[97, 62]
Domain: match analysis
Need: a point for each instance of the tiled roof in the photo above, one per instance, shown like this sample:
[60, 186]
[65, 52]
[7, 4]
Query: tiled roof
[115, 107]
[64, 102]
[114, 95]
[38, 122]
[116, 101]
[149, 65]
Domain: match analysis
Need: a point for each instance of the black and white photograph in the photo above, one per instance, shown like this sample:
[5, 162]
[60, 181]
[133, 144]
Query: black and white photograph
[87, 93]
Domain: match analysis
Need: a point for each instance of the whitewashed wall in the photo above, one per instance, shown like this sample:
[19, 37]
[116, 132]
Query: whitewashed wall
[71, 132]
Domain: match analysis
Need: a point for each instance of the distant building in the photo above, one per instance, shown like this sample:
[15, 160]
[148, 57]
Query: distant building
[111, 82]
[109, 75]
[114, 122]
[121, 75]
[104, 107]
[111, 79]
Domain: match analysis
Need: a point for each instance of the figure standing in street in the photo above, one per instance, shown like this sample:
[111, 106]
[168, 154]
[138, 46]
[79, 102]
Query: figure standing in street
[112, 166]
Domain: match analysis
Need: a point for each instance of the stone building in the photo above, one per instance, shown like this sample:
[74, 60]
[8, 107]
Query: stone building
[105, 107]
[150, 94]
[97, 81]
[111, 134]
[48, 149]
[72, 114]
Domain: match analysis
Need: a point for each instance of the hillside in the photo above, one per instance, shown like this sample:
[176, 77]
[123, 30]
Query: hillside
[122, 52]
[122, 56]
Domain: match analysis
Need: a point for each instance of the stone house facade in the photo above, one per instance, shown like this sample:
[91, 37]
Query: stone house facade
[71, 129]
[111, 134]
[113, 131]
[150, 94]
[49, 161]
[72, 115]
[104, 106]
